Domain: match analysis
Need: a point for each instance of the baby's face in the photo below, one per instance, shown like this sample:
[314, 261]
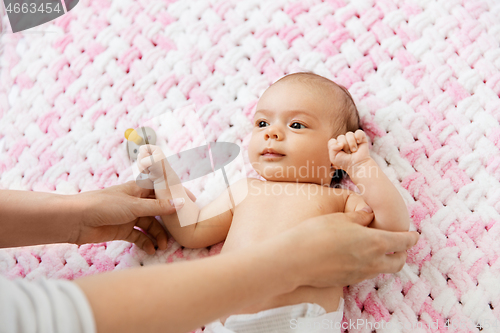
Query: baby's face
[295, 121]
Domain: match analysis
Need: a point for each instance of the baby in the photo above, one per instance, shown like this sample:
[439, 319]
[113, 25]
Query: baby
[304, 129]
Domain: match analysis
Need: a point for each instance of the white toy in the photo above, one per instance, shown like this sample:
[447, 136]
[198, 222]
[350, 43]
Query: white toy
[137, 138]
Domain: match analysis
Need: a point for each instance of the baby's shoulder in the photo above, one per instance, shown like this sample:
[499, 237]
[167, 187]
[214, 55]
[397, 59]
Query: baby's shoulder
[240, 189]
[244, 183]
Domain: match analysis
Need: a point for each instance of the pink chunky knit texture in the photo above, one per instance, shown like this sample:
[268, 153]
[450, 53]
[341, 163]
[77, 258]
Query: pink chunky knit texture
[425, 76]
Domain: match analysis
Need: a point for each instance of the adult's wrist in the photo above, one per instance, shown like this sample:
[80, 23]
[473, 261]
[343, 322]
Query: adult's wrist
[34, 218]
[71, 209]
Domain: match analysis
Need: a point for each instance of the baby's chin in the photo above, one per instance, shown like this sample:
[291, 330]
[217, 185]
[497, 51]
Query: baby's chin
[280, 178]
[276, 176]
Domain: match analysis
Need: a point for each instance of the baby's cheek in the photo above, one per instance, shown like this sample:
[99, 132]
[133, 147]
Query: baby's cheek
[254, 159]
[251, 150]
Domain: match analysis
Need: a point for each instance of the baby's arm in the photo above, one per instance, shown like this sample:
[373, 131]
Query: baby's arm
[350, 153]
[203, 227]
[213, 223]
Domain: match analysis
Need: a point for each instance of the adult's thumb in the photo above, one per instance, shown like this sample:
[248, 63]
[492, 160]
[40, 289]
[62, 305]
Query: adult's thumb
[363, 216]
[367, 209]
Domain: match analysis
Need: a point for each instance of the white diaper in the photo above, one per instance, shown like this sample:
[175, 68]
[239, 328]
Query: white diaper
[298, 318]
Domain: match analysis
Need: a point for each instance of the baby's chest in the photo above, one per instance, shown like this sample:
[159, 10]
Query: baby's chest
[273, 207]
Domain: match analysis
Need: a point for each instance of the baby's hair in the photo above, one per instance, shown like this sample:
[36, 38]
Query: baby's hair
[348, 115]
[349, 112]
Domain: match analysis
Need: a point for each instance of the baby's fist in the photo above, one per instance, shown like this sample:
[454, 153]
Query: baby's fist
[149, 161]
[349, 150]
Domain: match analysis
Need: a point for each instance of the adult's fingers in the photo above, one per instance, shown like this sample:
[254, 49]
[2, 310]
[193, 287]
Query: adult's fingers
[359, 217]
[154, 229]
[188, 192]
[391, 241]
[133, 189]
[398, 241]
[393, 263]
[141, 240]
[152, 207]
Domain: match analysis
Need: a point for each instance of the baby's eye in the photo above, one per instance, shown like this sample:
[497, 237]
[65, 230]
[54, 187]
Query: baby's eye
[297, 127]
[135, 151]
[260, 122]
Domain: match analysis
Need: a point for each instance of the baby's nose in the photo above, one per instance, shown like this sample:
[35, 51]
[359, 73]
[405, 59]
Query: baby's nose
[274, 133]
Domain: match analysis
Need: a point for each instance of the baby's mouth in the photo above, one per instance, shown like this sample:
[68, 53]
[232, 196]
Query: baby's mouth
[272, 155]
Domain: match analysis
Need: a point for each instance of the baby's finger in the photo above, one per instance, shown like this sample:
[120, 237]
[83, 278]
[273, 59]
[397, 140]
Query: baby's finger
[145, 158]
[141, 157]
[142, 168]
[334, 146]
[144, 163]
[344, 144]
[360, 137]
[332, 142]
[351, 140]
[155, 151]
[145, 150]
[151, 152]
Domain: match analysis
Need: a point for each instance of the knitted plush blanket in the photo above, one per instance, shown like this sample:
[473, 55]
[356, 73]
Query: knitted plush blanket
[425, 75]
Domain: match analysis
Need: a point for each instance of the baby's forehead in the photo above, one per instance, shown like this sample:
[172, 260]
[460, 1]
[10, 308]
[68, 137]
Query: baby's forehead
[294, 94]
[323, 90]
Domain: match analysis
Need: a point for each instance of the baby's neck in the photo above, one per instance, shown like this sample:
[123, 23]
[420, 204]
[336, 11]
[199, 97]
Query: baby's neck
[298, 181]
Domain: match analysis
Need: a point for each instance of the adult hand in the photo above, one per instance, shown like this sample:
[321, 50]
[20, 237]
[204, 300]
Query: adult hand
[112, 213]
[324, 251]
[339, 250]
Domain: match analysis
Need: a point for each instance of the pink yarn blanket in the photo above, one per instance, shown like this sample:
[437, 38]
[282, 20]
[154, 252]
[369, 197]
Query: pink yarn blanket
[425, 76]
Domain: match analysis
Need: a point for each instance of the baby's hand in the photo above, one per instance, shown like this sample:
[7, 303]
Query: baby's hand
[149, 162]
[349, 150]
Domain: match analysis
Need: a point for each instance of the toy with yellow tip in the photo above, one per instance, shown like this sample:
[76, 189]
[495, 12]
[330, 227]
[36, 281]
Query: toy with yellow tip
[131, 135]
[138, 137]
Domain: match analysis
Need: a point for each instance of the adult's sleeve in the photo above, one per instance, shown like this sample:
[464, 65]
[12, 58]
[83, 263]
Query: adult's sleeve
[44, 306]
